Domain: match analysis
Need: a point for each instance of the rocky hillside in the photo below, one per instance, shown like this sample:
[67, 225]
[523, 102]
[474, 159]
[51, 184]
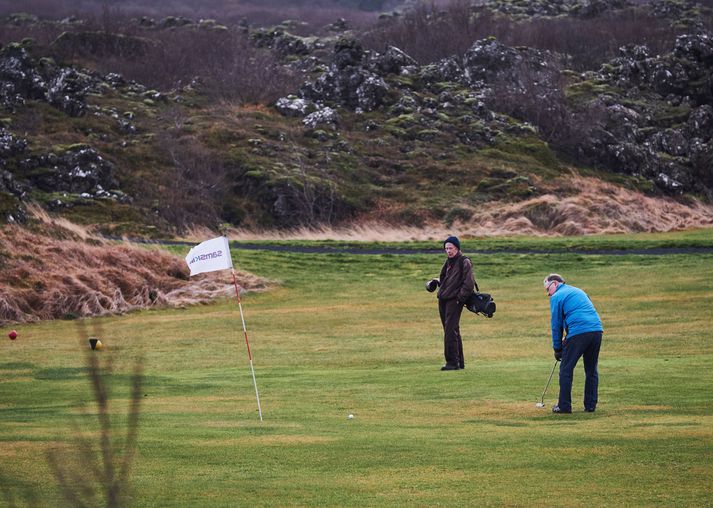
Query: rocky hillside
[148, 126]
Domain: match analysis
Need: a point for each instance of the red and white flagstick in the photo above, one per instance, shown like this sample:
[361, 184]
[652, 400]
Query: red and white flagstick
[247, 343]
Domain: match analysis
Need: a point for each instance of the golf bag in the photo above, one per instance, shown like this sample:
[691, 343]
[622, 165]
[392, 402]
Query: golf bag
[480, 303]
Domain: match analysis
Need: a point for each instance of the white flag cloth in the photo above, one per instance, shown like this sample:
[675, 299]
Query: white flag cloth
[210, 256]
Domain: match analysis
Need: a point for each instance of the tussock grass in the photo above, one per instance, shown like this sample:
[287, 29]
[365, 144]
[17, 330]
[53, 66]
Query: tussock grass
[373, 231]
[49, 279]
[584, 205]
[63, 272]
[59, 227]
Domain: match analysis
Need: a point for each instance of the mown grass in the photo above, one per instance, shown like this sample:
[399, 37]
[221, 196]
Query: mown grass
[358, 334]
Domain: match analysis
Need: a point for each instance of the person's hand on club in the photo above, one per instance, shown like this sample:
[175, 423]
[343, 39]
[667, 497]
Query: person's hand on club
[558, 354]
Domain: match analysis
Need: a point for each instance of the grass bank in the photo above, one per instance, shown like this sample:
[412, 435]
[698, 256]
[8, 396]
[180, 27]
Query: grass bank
[690, 239]
[358, 334]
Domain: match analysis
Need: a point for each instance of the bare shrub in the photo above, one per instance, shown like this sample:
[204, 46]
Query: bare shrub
[226, 64]
[192, 190]
[310, 194]
[541, 101]
[428, 32]
[102, 18]
[311, 20]
[261, 13]
[95, 470]
[43, 34]
[47, 8]
[431, 32]
[591, 42]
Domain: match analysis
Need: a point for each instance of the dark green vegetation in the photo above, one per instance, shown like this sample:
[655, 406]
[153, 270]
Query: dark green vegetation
[358, 334]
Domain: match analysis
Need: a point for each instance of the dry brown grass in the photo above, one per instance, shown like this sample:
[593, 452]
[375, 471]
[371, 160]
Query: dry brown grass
[59, 272]
[577, 205]
[364, 231]
[58, 225]
[589, 206]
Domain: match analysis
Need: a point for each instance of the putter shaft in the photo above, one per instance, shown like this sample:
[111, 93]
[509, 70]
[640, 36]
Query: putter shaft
[542, 399]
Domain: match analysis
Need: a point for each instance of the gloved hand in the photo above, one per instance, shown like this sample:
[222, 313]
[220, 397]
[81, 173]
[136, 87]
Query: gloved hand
[558, 354]
[432, 285]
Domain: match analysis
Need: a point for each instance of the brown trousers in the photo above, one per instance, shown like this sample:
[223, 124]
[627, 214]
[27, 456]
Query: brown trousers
[450, 311]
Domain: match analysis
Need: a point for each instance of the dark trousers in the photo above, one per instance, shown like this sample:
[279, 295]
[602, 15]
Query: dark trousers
[584, 345]
[450, 311]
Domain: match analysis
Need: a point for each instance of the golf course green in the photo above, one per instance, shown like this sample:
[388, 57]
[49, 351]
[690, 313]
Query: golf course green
[349, 333]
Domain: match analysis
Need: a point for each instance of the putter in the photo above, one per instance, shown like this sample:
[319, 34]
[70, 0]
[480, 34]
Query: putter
[542, 399]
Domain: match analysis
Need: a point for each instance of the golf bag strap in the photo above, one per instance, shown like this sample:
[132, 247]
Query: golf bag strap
[462, 260]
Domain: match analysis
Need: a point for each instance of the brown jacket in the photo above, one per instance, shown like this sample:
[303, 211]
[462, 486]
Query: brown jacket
[456, 279]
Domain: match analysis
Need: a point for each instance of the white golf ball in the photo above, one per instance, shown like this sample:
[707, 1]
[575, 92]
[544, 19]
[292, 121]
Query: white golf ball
[350, 417]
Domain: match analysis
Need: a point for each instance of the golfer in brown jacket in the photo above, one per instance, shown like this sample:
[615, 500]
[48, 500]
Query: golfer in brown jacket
[455, 284]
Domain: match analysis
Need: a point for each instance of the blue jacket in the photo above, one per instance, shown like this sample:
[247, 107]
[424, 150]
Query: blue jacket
[572, 312]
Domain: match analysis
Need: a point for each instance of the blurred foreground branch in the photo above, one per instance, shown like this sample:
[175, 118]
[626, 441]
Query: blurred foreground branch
[95, 469]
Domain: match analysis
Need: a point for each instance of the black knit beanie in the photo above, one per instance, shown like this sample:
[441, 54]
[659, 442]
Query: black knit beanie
[452, 239]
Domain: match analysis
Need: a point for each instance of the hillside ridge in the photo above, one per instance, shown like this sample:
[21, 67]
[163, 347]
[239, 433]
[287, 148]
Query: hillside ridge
[280, 129]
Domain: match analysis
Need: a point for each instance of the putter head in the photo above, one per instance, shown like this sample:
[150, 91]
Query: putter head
[540, 404]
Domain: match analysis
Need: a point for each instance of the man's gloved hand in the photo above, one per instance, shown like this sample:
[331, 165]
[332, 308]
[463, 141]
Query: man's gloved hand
[558, 354]
[432, 285]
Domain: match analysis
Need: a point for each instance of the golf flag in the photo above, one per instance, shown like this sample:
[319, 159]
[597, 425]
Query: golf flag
[210, 256]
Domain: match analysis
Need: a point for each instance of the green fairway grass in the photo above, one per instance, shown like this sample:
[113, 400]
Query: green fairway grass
[694, 238]
[358, 334]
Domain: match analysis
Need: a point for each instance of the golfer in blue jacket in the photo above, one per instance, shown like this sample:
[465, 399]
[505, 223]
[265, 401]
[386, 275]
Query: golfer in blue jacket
[576, 332]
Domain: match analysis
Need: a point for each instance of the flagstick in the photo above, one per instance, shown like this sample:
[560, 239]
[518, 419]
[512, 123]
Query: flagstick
[247, 343]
